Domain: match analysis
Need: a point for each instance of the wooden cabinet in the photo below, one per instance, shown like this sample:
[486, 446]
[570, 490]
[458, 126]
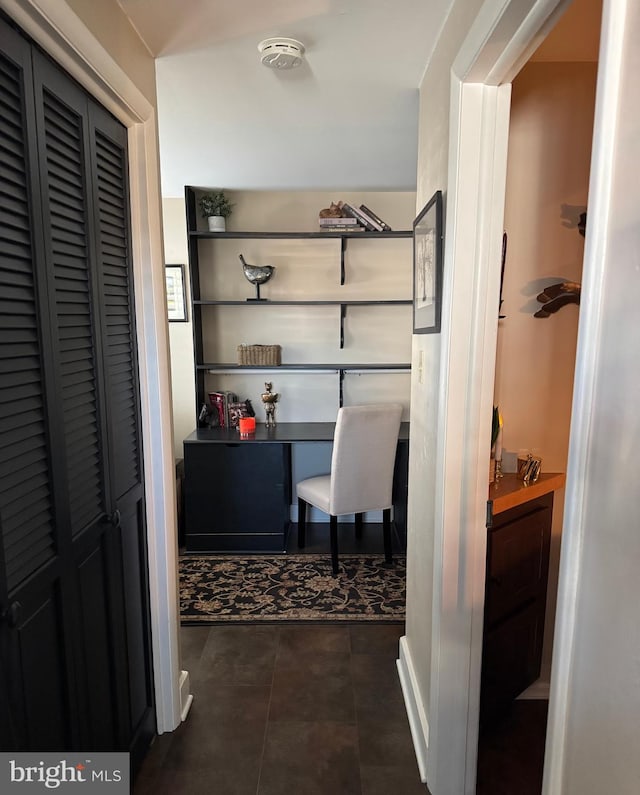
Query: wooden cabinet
[518, 542]
[237, 495]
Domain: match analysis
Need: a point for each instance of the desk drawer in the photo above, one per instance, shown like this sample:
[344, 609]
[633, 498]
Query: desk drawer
[516, 565]
[510, 660]
[236, 497]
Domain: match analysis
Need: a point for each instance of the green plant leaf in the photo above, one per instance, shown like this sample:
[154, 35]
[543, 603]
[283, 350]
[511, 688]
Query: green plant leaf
[215, 204]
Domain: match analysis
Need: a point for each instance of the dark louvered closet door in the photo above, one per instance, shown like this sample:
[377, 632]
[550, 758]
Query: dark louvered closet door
[36, 657]
[113, 259]
[92, 543]
[75, 641]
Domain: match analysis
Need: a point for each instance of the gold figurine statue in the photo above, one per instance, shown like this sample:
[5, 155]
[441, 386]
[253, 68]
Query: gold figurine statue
[270, 399]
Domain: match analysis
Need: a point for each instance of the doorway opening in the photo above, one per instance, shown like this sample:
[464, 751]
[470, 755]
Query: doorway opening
[548, 167]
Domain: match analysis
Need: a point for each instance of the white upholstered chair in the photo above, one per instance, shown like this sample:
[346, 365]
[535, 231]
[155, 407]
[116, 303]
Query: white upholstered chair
[361, 478]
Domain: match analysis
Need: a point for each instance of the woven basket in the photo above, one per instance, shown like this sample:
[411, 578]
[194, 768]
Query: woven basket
[266, 355]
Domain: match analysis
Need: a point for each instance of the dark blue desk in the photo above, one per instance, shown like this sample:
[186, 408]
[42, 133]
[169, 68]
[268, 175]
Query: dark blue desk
[238, 490]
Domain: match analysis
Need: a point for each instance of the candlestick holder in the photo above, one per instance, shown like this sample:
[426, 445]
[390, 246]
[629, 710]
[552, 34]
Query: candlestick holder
[498, 469]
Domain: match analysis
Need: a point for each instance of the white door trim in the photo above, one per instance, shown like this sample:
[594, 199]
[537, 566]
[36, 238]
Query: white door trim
[499, 42]
[62, 34]
[603, 163]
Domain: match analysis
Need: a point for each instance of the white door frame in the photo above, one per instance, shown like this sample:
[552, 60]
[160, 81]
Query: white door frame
[65, 37]
[500, 41]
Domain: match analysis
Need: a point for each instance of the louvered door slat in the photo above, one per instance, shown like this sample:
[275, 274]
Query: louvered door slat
[28, 414]
[14, 279]
[69, 260]
[8, 87]
[72, 347]
[66, 190]
[78, 402]
[16, 385]
[14, 526]
[37, 555]
[10, 167]
[22, 432]
[19, 554]
[23, 459]
[79, 464]
[58, 120]
[38, 469]
[76, 334]
[14, 409]
[16, 363]
[22, 502]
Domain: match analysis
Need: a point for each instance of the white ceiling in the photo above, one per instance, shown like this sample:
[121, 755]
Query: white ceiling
[348, 117]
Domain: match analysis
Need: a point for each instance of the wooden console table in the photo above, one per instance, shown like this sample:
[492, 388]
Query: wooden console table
[518, 540]
[238, 490]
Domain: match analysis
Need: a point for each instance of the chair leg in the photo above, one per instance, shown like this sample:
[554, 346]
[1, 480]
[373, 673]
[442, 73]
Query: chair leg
[386, 531]
[333, 529]
[302, 520]
[358, 518]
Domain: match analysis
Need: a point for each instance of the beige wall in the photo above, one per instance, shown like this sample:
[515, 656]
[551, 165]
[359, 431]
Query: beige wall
[180, 334]
[305, 270]
[109, 24]
[547, 182]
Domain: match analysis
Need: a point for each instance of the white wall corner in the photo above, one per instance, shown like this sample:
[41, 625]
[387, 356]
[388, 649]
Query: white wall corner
[414, 705]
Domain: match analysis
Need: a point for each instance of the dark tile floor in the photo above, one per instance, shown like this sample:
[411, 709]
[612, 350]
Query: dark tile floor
[288, 710]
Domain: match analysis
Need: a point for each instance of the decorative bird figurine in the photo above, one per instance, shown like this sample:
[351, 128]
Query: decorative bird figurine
[256, 274]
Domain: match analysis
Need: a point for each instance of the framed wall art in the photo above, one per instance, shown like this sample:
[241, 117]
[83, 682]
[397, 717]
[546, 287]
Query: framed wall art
[176, 293]
[427, 267]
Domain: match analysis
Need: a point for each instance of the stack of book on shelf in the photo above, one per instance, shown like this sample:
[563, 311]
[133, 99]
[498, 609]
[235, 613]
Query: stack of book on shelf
[366, 217]
[354, 219]
[220, 408]
[340, 225]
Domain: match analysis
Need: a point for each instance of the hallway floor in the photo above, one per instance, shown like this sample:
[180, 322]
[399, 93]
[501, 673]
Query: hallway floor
[288, 710]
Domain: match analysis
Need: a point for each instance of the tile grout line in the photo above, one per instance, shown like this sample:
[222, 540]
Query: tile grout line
[266, 725]
[355, 709]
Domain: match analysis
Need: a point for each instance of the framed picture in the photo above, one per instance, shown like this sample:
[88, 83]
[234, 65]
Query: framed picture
[427, 267]
[176, 293]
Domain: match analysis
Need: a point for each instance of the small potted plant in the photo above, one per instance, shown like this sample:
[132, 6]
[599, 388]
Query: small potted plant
[215, 207]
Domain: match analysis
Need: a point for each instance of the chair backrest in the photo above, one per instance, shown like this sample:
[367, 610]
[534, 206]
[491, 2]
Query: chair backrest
[364, 452]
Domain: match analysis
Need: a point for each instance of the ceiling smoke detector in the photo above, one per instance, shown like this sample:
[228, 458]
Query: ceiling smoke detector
[280, 53]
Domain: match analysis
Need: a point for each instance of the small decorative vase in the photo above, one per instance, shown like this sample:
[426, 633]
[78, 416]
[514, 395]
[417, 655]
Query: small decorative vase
[216, 223]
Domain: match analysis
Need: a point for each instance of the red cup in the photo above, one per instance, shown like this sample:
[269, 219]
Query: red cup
[247, 425]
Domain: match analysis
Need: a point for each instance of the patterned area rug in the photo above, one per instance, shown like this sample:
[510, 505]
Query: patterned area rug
[279, 588]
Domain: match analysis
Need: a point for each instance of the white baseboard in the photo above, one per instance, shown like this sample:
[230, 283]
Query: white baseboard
[418, 722]
[186, 698]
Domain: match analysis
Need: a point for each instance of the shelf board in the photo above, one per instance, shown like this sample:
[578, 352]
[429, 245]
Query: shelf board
[385, 302]
[298, 235]
[319, 367]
